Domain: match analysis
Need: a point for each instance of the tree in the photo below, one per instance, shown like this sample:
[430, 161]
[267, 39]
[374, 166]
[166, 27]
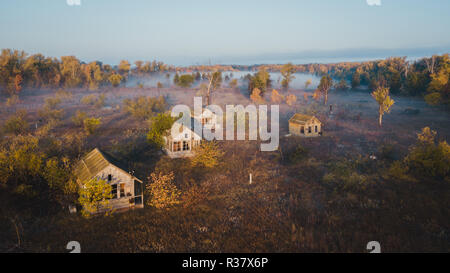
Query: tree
[93, 75]
[94, 196]
[276, 97]
[439, 87]
[144, 107]
[233, 83]
[176, 78]
[139, 66]
[124, 67]
[115, 79]
[79, 117]
[18, 83]
[381, 95]
[342, 85]
[71, 71]
[427, 160]
[185, 80]
[158, 127]
[356, 80]
[91, 125]
[291, 99]
[162, 191]
[16, 124]
[207, 155]
[308, 83]
[395, 82]
[215, 81]
[298, 154]
[286, 71]
[256, 96]
[324, 86]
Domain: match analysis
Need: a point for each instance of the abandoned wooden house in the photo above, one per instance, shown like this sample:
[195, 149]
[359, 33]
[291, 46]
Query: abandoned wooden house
[127, 190]
[183, 142]
[207, 118]
[304, 125]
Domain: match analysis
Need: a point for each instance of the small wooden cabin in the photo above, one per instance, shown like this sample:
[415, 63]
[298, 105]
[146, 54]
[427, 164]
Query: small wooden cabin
[183, 142]
[127, 190]
[304, 125]
[207, 118]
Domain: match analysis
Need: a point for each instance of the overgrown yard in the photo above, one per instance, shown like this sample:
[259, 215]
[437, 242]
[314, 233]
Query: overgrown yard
[324, 194]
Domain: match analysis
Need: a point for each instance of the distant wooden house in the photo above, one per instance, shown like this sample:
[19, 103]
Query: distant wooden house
[127, 190]
[183, 142]
[207, 118]
[304, 125]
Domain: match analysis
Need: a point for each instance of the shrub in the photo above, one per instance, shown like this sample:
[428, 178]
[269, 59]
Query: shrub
[298, 154]
[162, 191]
[91, 125]
[92, 99]
[291, 99]
[185, 80]
[145, 107]
[16, 124]
[79, 118]
[52, 103]
[13, 100]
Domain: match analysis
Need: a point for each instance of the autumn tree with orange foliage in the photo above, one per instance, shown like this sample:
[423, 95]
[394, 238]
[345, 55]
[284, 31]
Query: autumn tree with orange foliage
[18, 83]
[256, 96]
[291, 99]
[162, 192]
[276, 97]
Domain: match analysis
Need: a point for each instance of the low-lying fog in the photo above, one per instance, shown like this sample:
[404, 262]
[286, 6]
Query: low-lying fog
[167, 79]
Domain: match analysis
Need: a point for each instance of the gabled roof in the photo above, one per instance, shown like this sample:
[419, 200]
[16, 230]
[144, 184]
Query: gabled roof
[301, 118]
[203, 112]
[191, 128]
[94, 162]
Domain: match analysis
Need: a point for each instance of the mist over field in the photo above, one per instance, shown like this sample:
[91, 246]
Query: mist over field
[352, 151]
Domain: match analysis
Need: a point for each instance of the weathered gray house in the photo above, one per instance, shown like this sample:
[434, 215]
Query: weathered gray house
[183, 142]
[304, 125]
[127, 190]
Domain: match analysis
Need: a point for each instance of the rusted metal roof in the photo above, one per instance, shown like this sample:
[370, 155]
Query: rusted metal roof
[301, 118]
[94, 162]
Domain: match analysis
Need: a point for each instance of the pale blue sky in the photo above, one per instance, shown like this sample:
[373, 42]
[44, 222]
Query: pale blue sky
[245, 31]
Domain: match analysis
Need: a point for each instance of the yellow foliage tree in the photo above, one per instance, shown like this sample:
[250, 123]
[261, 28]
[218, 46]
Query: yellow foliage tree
[162, 191]
[94, 197]
[381, 95]
[207, 155]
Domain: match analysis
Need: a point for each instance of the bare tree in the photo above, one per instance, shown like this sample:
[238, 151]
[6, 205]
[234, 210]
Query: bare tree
[431, 64]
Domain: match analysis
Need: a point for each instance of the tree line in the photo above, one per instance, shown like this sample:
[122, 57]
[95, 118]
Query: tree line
[19, 70]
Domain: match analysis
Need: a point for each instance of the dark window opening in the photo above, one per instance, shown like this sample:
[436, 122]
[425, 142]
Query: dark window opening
[302, 130]
[109, 178]
[185, 145]
[315, 129]
[114, 191]
[309, 129]
[122, 190]
[176, 146]
[138, 200]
